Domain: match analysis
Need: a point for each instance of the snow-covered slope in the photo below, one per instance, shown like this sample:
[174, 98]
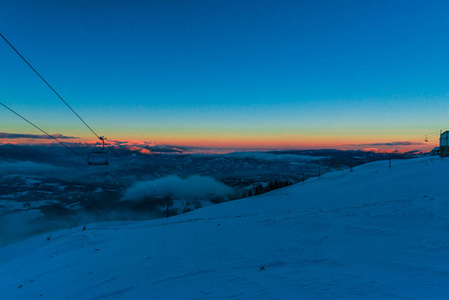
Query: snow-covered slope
[373, 233]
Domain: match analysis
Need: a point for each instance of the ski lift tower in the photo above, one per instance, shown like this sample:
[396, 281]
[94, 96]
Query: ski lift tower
[444, 144]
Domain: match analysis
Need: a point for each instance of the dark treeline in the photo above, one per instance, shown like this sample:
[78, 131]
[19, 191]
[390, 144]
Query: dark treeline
[272, 185]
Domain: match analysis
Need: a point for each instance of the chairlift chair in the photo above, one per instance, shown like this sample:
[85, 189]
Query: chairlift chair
[108, 185]
[426, 140]
[98, 158]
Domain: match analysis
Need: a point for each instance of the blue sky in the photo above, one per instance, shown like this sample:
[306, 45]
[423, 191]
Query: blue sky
[277, 74]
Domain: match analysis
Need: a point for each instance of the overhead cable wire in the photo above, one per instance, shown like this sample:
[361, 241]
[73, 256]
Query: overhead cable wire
[131, 170]
[63, 144]
[431, 134]
[46, 133]
[426, 136]
[54, 91]
[59, 96]
[79, 117]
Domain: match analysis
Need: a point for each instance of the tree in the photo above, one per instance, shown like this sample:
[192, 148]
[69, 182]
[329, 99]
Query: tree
[259, 189]
[169, 201]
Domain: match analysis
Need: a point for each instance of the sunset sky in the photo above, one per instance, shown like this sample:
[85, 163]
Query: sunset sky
[233, 74]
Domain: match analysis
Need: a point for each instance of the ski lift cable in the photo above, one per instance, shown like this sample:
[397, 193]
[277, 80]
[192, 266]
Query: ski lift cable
[431, 134]
[427, 136]
[59, 96]
[79, 117]
[121, 181]
[63, 144]
[54, 91]
[131, 170]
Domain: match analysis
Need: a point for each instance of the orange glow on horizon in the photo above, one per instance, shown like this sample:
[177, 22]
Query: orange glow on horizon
[255, 142]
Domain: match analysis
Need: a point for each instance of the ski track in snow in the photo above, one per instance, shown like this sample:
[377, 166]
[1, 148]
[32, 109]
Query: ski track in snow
[375, 233]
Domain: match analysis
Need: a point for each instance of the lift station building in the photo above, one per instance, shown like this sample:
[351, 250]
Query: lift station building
[444, 144]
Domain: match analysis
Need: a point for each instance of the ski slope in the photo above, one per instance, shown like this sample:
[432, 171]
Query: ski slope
[373, 233]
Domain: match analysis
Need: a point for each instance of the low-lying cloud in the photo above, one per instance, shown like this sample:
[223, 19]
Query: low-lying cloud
[5, 135]
[387, 144]
[192, 187]
[267, 156]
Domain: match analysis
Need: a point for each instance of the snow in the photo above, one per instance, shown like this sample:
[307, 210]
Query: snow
[373, 233]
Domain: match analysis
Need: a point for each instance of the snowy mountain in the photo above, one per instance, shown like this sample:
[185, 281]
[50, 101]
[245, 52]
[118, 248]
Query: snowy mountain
[51, 184]
[375, 232]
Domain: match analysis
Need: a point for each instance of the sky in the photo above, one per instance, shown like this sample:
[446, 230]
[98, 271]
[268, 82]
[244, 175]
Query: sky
[231, 74]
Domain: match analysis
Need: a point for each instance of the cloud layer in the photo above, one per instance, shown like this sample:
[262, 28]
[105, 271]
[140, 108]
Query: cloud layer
[192, 187]
[5, 135]
[387, 144]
